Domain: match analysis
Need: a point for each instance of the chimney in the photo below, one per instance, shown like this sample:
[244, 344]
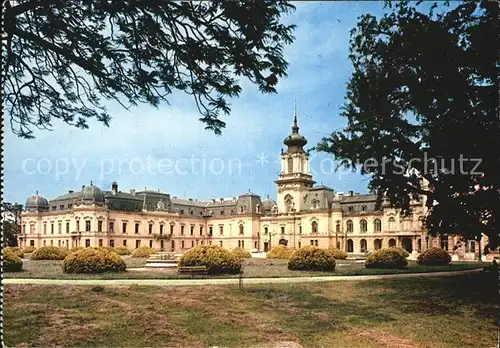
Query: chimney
[70, 191]
[190, 199]
[132, 192]
[222, 200]
[83, 186]
[213, 200]
[114, 188]
[356, 193]
[351, 193]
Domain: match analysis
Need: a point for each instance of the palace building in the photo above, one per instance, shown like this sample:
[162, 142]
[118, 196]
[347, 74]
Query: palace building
[303, 214]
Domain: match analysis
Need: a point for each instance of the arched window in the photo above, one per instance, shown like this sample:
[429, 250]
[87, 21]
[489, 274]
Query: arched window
[290, 165]
[407, 224]
[314, 227]
[392, 242]
[377, 224]
[392, 224]
[363, 225]
[337, 227]
[350, 246]
[241, 229]
[350, 226]
[363, 245]
[377, 244]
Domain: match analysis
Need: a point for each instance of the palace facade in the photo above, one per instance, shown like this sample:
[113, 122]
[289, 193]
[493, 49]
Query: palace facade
[303, 214]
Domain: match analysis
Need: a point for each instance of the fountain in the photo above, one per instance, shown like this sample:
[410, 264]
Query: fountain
[162, 260]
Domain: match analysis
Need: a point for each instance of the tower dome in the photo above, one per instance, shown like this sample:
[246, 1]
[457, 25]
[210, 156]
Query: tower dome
[36, 202]
[295, 141]
[268, 204]
[92, 194]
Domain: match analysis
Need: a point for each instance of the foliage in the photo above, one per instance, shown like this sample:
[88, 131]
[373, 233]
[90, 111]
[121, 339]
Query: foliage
[311, 258]
[93, 260]
[122, 250]
[143, 251]
[279, 252]
[241, 253]
[11, 261]
[61, 59]
[337, 253]
[422, 113]
[401, 251]
[217, 259]
[386, 258]
[49, 253]
[29, 249]
[76, 249]
[434, 257]
[10, 232]
[16, 251]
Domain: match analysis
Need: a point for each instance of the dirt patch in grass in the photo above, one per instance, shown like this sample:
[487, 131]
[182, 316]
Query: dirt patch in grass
[385, 339]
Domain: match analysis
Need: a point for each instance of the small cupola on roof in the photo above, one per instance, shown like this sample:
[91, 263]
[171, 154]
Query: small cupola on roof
[92, 194]
[295, 141]
[37, 203]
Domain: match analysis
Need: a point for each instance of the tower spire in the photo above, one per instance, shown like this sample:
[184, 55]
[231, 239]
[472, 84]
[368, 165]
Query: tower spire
[295, 127]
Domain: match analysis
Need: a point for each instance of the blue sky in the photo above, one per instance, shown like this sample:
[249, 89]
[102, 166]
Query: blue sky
[168, 149]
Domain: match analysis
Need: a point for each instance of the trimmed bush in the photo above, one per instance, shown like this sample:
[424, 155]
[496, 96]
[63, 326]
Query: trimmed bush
[241, 253]
[122, 250]
[15, 250]
[217, 259]
[143, 251]
[389, 258]
[93, 260]
[279, 252]
[76, 249]
[11, 262]
[401, 251]
[434, 257]
[49, 253]
[311, 258]
[337, 253]
[29, 249]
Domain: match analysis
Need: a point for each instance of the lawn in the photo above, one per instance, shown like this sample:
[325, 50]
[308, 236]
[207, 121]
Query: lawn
[253, 268]
[432, 312]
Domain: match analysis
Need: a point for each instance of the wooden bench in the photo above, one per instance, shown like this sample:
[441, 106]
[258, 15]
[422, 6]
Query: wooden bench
[192, 270]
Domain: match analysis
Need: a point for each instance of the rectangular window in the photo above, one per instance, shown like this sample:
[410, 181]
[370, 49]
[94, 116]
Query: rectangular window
[51, 228]
[312, 242]
[77, 225]
[266, 230]
[136, 228]
[70, 206]
[137, 243]
[67, 227]
[222, 212]
[44, 243]
[51, 242]
[209, 242]
[99, 226]
[210, 230]
[201, 230]
[124, 227]
[61, 207]
[44, 228]
[124, 242]
[255, 245]
[221, 244]
[182, 230]
[192, 243]
[151, 243]
[161, 229]
[316, 242]
[242, 243]
[32, 243]
[161, 245]
[221, 230]
[171, 229]
[111, 243]
[300, 244]
[150, 228]
[172, 245]
[59, 228]
[100, 242]
[182, 211]
[182, 244]
[300, 229]
[282, 230]
[111, 227]
[59, 243]
[87, 243]
[239, 244]
[472, 246]
[192, 230]
[87, 225]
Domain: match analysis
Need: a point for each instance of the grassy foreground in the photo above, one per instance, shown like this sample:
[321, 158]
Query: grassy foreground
[422, 312]
[253, 268]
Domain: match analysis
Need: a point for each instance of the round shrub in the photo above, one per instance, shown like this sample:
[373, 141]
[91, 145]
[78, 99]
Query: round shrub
[279, 252]
[11, 262]
[434, 257]
[93, 260]
[122, 250]
[337, 253]
[311, 258]
[241, 253]
[29, 249]
[15, 250]
[401, 251]
[143, 251]
[217, 259]
[386, 258]
[49, 253]
[76, 249]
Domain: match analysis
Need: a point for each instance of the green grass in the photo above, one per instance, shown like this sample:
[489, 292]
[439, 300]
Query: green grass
[253, 268]
[432, 312]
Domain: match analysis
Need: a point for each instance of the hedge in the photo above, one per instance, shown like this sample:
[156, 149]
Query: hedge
[279, 252]
[143, 251]
[389, 258]
[216, 259]
[434, 257]
[93, 260]
[122, 250]
[337, 253]
[241, 253]
[311, 258]
[11, 261]
[49, 253]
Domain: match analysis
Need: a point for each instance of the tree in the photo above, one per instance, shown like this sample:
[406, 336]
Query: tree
[63, 57]
[422, 113]
[11, 227]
